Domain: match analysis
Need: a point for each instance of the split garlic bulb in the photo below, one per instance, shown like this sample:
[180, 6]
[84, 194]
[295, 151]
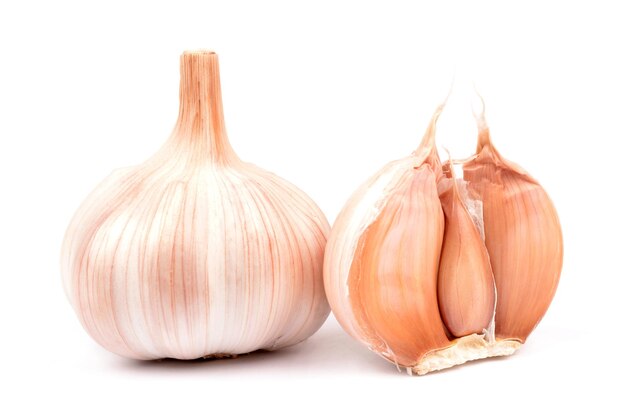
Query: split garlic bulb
[195, 253]
[430, 271]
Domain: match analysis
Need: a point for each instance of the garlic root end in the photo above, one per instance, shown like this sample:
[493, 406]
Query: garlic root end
[221, 356]
[465, 349]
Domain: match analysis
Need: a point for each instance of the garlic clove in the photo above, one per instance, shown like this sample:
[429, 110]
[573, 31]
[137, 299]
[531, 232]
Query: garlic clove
[383, 256]
[361, 210]
[465, 285]
[522, 235]
[195, 253]
[393, 278]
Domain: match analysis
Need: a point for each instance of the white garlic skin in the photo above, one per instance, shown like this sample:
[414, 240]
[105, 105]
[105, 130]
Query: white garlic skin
[195, 253]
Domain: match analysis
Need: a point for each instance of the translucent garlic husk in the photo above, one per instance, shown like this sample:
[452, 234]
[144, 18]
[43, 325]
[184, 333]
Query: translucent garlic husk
[431, 271]
[195, 253]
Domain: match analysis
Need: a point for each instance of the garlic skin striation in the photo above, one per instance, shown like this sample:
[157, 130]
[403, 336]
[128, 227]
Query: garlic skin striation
[195, 253]
[431, 271]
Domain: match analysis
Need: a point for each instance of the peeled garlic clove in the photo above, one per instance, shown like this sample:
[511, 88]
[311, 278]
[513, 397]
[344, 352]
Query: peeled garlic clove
[466, 290]
[523, 237]
[195, 253]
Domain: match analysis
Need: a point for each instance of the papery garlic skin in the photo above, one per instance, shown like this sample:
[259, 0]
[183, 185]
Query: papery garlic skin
[196, 253]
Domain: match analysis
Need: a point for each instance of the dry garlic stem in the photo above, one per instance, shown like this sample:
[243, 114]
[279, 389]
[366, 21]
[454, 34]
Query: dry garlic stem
[195, 253]
[410, 272]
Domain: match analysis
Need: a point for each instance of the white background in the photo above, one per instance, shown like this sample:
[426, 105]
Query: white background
[323, 93]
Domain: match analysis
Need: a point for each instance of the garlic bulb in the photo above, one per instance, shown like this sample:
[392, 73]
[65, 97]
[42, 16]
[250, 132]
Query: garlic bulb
[195, 253]
[430, 271]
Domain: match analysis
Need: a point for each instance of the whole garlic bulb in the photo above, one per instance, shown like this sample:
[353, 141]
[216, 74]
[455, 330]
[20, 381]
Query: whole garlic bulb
[195, 253]
[430, 271]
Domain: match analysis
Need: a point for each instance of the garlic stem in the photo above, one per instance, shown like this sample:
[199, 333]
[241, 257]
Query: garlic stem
[200, 127]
